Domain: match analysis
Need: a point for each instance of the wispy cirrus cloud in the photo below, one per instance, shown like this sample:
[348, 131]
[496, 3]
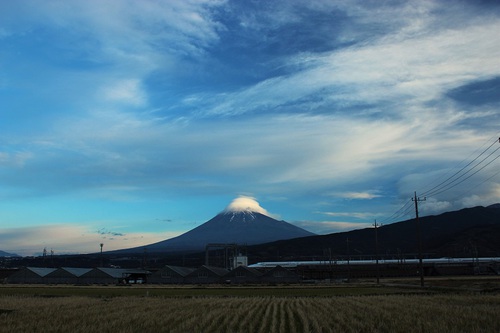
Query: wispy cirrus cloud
[352, 104]
[367, 195]
[391, 71]
[126, 91]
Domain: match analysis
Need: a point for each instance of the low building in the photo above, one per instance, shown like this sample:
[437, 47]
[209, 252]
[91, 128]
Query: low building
[207, 275]
[243, 275]
[166, 275]
[105, 275]
[171, 275]
[28, 275]
[280, 274]
[66, 275]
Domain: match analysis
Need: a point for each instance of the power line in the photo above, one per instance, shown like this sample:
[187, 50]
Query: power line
[450, 170]
[399, 213]
[451, 184]
[477, 185]
[451, 179]
[484, 166]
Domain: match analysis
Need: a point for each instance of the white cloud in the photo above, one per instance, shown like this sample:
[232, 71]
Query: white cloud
[245, 204]
[16, 159]
[368, 195]
[134, 151]
[368, 115]
[128, 29]
[433, 206]
[464, 184]
[404, 69]
[72, 239]
[126, 91]
[102, 51]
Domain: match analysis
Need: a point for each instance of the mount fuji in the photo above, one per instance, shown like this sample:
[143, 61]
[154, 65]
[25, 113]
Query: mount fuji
[242, 222]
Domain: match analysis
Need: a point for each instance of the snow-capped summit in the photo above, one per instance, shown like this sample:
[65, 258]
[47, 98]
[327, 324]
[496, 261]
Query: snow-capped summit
[243, 221]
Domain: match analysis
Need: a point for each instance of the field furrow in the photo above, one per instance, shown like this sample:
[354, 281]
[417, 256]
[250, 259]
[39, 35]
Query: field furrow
[389, 313]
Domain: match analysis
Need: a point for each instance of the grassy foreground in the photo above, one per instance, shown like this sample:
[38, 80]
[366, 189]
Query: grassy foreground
[115, 309]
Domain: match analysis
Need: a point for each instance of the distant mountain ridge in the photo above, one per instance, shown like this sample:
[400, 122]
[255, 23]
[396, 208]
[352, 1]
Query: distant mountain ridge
[7, 254]
[467, 232]
[243, 227]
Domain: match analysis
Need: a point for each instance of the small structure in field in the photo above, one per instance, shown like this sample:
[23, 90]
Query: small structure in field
[171, 275]
[66, 275]
[243, 274]
[105, 275]
[29, 275]
[280, 274]
[207, 275]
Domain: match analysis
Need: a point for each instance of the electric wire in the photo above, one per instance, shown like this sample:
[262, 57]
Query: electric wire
[399, 213]
[448, 180]
[452, 181]
[484, 166]
[421, 190]
[477, 185]
[451, 184]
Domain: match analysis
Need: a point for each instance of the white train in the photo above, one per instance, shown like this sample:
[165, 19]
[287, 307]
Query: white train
[293, 264]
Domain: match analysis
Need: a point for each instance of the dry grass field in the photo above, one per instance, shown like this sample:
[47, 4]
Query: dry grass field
[298, 309]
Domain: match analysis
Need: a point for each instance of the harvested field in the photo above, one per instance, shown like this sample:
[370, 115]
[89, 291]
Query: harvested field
[390, 313]
[241, 310]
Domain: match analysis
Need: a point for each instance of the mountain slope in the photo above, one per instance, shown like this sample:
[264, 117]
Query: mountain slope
[467, 232]
[6, 254]
[241, 227]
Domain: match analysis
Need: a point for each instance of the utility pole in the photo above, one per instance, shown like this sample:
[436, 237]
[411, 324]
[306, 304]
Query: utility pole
[348, 261]
[376, 250]
[145, 259]
[419, 239]
[101, 245]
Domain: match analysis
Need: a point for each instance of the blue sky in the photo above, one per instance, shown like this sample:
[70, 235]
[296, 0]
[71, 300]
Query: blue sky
[130, 122]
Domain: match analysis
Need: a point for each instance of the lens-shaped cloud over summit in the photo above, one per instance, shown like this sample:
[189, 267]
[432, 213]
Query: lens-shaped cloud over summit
[245, 204]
